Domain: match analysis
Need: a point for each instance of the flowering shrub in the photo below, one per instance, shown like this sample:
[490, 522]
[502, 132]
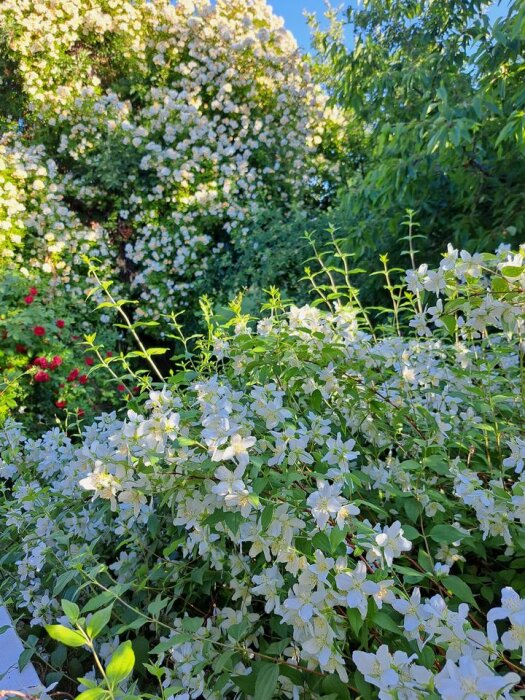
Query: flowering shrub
[173, 125]
[313, 506]
[39, 233]
[43, 366]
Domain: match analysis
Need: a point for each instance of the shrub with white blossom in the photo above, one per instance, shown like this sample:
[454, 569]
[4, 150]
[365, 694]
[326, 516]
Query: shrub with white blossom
[313, 506]
[171, 125]
[41, 237]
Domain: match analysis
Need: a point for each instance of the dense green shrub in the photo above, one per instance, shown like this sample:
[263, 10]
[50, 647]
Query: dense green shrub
[314, 507]
[436, 102]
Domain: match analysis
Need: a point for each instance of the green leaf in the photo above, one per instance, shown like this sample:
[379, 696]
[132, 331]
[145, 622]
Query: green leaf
[63, 580]
[336, 537]
[355, 620]
[98, 621]
[445, 534]
[239, 630]
[512, 271]
[155, 607]
[450, 323]
[71, 638]
[383, 620]
[25, 657]
[155, 670]
[222, 661]
[98, 601]
[192, 624]
[460, 589]
[92, 694]
[71, 610]
[266, 516]
[121, 663]
[499, 285]
[266, 682]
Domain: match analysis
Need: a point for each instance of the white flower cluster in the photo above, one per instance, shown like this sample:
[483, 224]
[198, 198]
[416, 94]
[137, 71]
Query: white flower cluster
[493, 280]
[39, 233]
[213, 117]
[345, 505]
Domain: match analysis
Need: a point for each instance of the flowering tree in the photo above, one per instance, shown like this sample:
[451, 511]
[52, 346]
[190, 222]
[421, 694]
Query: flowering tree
[170, 126]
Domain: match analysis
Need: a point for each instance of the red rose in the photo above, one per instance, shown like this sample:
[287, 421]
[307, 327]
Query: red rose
[60, 404]
[89, 361]
[73, 375]
[109, 353]
[136, 389]
[55, 362]
[60, 323]
[42, 376]
[82, 379]
[33, 291]
[39, 330]
[121, 387]
[20, 348]
[40, 362]
[29, 299]
[80, 412]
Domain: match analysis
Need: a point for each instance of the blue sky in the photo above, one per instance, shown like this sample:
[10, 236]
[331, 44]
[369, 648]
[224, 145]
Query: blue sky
[292, 11]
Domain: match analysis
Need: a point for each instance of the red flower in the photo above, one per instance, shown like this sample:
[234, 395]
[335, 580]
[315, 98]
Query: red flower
[55, 362]
[60, 404]
[80, 412]
[20, 348]
[60, 323]
[40, 362]
[121, 387]
[33, 291]
[29, 299]
[39, 330]
[73, 375]
[42, 376]
[82, 379]
[89, 361]
[136, 389]
[109, 353]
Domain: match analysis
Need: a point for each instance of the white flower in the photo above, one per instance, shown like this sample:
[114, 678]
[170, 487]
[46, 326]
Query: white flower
[512, 607]
[356, 587]
[395, 675]
[326, 502]
[516, 460]
[229, 482]
[471, 679]
[236, 450]
[322, 567]
[389, 544]
[320, 644]
[304, 602]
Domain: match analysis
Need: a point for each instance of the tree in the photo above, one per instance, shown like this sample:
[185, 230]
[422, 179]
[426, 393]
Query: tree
[437, 95]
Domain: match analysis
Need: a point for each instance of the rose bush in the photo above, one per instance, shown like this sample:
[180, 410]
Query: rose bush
[44, 368]
[313, 506]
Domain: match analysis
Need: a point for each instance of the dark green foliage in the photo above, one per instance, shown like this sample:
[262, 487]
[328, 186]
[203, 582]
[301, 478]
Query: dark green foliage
[438, 97]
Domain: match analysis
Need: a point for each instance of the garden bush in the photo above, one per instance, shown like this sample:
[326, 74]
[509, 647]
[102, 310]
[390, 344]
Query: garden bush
[45, 372]
[171, 126]
[310, 505]
[434, 100]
